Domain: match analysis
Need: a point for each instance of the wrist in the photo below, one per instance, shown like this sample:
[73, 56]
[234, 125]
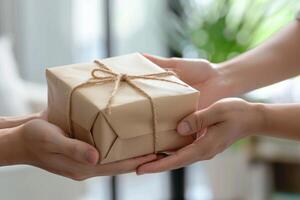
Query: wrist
[229, 79]
[260, 119]
[223, 83]
[11, 147]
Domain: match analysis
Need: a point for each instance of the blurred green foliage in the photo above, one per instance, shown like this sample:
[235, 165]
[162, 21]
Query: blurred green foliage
[220, 29]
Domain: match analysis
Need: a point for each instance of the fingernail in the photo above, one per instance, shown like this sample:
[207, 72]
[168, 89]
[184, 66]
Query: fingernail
[90, 156]
[184, 128]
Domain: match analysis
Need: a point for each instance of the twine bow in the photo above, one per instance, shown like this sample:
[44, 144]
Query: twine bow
[117, 78]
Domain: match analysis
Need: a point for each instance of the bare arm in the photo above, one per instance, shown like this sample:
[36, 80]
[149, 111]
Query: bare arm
[10, 152]
[9, 122]
[281, 120]
[275, 60]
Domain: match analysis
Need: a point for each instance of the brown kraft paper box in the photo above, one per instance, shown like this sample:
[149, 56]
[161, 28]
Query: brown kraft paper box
[127, 131]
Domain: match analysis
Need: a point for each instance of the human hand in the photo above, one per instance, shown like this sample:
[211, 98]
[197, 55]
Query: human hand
[200, 74]
[216, 127]
[46, 146]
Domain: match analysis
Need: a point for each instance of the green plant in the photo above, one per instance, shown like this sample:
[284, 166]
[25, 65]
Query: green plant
[220, 29]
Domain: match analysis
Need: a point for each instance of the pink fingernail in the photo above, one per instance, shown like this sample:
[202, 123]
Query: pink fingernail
[89, 156]
[183, 128]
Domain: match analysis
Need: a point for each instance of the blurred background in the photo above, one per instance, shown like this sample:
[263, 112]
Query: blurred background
[36, 34]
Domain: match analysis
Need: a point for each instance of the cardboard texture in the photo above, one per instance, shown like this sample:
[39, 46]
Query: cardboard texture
[128, 130]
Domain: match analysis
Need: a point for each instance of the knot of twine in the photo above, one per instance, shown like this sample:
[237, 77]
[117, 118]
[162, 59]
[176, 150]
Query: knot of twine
[117, 78]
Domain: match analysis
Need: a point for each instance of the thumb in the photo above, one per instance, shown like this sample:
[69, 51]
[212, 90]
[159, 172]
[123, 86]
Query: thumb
[198, 121]
[78, 150]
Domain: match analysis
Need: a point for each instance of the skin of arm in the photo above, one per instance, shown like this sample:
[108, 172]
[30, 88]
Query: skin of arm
[275, 60]
[9, 122]
[281, 120]
[9, 154]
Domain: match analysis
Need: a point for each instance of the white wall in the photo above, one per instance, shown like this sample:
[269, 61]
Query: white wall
[43, 36]
[138, 26]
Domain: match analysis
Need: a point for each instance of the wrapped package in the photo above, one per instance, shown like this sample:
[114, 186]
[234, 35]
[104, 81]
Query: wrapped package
[125, 106]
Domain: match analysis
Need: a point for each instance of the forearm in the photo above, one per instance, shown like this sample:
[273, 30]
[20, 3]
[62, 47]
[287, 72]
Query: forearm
[10, 147]
[275, 60]
[9, 122]
[281, 120]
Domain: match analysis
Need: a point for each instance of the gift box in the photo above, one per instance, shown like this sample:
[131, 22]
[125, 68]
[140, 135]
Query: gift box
[125, 106]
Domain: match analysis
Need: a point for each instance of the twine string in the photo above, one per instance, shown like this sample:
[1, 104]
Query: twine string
[117, 78]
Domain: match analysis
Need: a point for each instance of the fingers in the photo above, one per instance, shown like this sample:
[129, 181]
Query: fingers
[78, 150]
[181, 158]
[64, 166]
[203, 148]
[124, 166]
[162, 62]
[198, 121]
[53, 139]
[67, 167]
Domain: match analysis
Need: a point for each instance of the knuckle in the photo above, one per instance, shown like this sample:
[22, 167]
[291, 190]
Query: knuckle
[220, 107]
